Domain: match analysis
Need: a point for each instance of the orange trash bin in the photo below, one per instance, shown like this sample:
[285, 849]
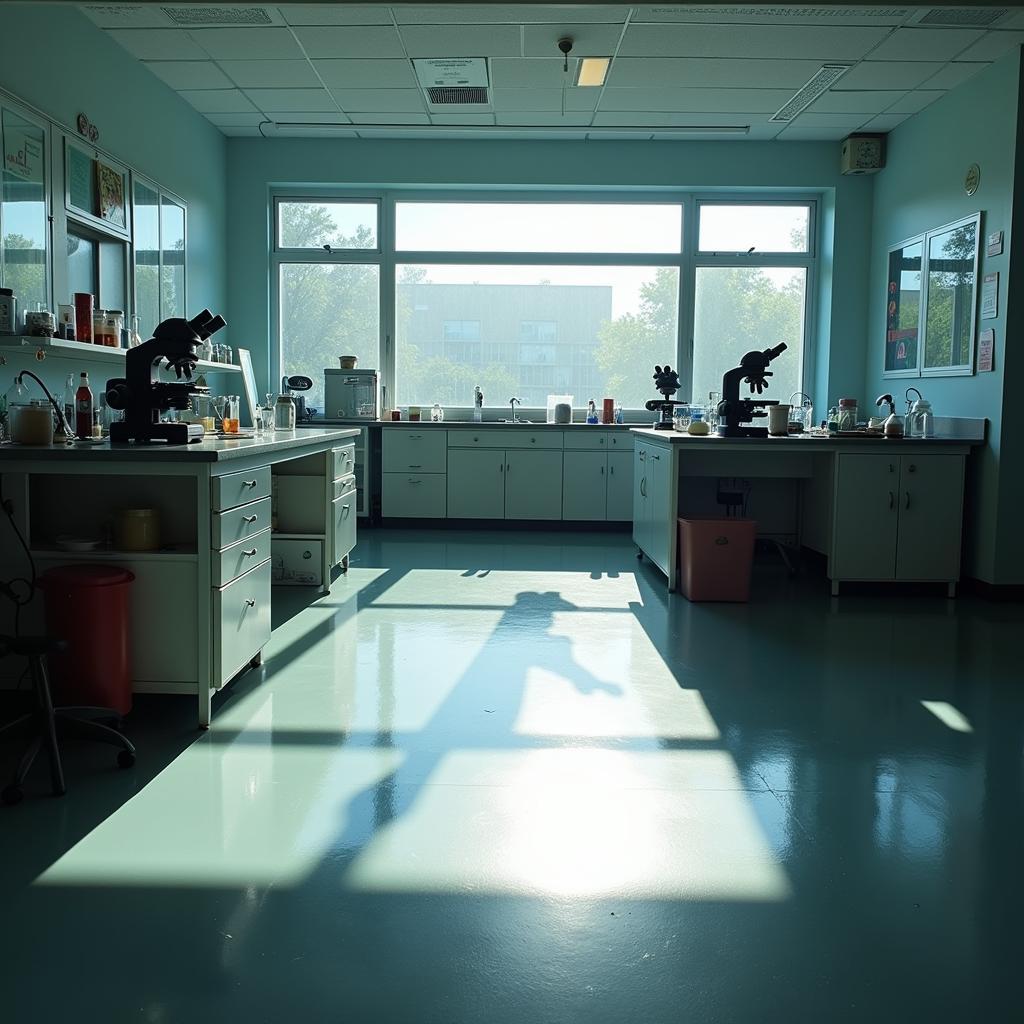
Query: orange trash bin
[715, 558]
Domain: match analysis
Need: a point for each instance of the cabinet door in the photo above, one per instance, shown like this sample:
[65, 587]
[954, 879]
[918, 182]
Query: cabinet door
[584, 485]
[864, 524]
[930, 517]
[476, 484]
[620, 485]
[641, 517]
[533, 485]
[659, 462]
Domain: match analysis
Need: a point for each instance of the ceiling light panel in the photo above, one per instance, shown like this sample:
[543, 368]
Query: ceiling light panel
[360, 41]
[592, 72]
[750, 41]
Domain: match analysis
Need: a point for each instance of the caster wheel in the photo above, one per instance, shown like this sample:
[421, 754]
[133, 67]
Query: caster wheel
[125, 759]
[12, 795]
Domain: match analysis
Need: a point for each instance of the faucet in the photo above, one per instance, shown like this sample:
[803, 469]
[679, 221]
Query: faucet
[513, 402]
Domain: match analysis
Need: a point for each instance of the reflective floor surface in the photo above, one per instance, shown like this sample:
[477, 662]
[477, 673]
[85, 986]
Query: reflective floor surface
[508, 778]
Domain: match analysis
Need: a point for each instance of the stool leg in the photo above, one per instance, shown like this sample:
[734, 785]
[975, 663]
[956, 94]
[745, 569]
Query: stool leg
[25, 764]
[18, 721]
[49, 726]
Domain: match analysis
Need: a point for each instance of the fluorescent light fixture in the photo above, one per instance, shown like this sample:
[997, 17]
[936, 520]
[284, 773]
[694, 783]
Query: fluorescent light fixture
[820, 82]
[364, 131]
[592, 71]
[948, 715]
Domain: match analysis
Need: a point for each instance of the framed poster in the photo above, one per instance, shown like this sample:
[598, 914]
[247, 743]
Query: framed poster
[110, 193]
[903, 308]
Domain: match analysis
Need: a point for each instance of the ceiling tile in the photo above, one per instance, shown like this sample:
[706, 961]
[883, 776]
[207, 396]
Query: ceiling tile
[311, 117]
[459, 108]
[751, 41]
[850, 122]
[136, 16]
[350, 42]
[868, 101]
[530, 72]
[381, 100]
[694, 100]
[545, 99]
[159, 44]
[366, 74]
[377, 117]
[699, 72]
[811, 15]
[237, 120]
[884, 122]
[953, 75]
[511, 14]
[587, 40]
[459, 119]
[915, 101]
[235, 131]
[190, 74]
[925, 44]
[217, 101]
[645, 119]
[283, 101]
[888, 74]
[246, 43]
[335, 14]
[992, 46]
[1014, 21]
[271, 74]
[462, 40]
[812, 133]
[542, 119]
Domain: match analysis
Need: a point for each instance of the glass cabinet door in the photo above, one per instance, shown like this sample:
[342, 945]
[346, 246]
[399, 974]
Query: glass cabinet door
[172, 253]
[147, 258]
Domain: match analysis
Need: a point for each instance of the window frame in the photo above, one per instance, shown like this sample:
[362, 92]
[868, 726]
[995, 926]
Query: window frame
[685, 262]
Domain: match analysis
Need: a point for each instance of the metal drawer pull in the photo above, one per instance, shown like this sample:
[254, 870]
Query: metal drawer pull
[250, 552]
[602, 471]
[656, 457]
[249, 483]
[892, 501]
[250, 602]
[415, 437]
[345, 508]
[415, 465]
[410, 481]
[906, 504]
[249, 519]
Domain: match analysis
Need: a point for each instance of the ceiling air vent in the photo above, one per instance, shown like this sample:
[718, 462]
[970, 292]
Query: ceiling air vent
[440, 95]
[195, 17]
[819, 83]
[973, 17]
[728, 13]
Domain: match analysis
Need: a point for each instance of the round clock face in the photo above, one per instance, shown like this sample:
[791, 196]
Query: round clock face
[972, 179]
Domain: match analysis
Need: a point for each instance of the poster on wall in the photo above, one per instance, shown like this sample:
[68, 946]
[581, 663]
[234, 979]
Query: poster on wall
[23, 155]
[986, 351]
[110, 186]
[990, 296]
[903, 306]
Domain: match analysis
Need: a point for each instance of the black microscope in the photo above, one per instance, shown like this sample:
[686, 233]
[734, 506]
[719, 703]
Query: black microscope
[734, 411]
[666, 381]
[143, 397]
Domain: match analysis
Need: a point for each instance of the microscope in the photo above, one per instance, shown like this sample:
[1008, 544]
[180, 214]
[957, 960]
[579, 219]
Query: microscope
[734, 411]
[666, 381]
[143, 397]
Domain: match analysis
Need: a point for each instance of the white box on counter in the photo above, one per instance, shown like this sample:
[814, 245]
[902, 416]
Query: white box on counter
[296, 562]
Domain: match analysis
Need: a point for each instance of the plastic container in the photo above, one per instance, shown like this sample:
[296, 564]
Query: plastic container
[553, 412]
[137, 529]
[87, 607]
[715, 558]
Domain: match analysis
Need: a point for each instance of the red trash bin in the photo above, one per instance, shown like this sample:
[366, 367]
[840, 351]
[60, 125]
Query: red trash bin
[87, 607]
[715, 558]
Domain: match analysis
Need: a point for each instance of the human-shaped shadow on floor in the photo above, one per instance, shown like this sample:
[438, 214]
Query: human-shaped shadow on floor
[479, 713]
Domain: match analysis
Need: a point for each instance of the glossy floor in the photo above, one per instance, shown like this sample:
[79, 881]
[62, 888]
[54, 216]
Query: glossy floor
[506, 777]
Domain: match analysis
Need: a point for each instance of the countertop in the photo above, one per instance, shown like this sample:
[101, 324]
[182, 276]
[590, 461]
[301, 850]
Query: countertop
[797, 442]
[488, 425]
[205, 451]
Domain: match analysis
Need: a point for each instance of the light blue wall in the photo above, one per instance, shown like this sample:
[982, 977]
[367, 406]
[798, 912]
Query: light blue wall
[921, 188]
[141, 121]
[255, 165]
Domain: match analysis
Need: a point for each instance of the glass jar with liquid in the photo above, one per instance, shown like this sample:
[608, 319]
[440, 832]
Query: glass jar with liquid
[229, 414]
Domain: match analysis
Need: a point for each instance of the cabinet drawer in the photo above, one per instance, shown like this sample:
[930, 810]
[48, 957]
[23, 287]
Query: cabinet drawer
[589, 439]
[343, 518]
[346, 483]
[343, 461]
[505, 437]
[242, 621]
[620, 441]
[239, 488]
[240, 523]
[232, 562]
[421, 451]
[413, 495]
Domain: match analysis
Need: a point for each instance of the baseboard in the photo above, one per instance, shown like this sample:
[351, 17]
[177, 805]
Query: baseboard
[994, 591]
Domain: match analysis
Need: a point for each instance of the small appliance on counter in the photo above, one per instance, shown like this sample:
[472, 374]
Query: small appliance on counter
[143, 397]
[298, 382]
[351, 394]
[734, 411]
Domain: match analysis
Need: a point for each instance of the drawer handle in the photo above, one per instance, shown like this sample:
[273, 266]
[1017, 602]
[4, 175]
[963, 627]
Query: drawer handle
[345, 508]
[410, 481]
[250, 552]
[249, 519]
[415, 465]
[906, 504]
[249, 483]
[892, 501]
[250, 602]
[602, 471]
[415, 437]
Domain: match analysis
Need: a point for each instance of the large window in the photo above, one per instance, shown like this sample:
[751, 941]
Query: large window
[529, 297]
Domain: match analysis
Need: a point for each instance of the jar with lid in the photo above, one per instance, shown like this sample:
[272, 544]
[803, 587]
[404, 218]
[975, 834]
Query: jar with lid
[921, 419]
[113, 327]
[436, 413]
[8, 312]
[99, 327]
[284, 413]
[847, 414]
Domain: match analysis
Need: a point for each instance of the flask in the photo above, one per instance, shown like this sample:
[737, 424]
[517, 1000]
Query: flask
[83, 408]
[68, 405]
[591, 412]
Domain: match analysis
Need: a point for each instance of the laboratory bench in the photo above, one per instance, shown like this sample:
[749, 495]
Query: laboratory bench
[878, 509]
[201, 601]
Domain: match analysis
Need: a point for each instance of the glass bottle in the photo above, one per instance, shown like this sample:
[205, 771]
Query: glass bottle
[229, 422]
[68, 405]
[135, 334]
[436, 413]
[268, 414]
[284, 413]
[83, 408]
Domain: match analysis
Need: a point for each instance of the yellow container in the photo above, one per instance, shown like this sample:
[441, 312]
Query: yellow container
[32, 424]
[137, 529]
